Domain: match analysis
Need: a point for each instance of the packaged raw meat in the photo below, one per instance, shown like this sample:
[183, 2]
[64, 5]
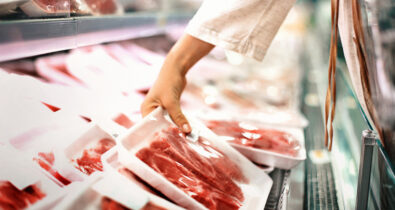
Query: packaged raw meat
[90, 160]
[86, 151]
[97, 67]
[43, 8]
[246, 134]
[104, 7]
[9, 6]
[272, 116]
[270, 145]
[53, 68]
[22, 66]
[107, 190]
[206, 174]
[39, 145]
[123, 120]
[46, 162]
[145, 55]
[18, 191]
[13, 198]
[156, 199]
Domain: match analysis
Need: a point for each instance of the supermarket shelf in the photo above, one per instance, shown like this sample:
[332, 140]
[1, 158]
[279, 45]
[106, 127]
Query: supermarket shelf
[279, 193]
[24, 38]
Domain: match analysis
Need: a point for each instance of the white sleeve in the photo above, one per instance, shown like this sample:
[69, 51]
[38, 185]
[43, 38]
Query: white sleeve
[244, 26]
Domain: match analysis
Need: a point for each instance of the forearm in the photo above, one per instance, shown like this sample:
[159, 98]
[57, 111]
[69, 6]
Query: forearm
[171, 81]
[184, 54]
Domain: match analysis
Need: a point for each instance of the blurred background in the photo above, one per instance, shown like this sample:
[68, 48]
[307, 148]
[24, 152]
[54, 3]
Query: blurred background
[66, 65]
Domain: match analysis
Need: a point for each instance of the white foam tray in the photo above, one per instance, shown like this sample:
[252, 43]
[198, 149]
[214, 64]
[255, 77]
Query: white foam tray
[139, 136]
[267, 157]
[111, 163]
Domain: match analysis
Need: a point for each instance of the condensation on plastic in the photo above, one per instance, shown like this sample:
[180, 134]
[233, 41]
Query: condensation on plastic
[253, 182]
[282, 147]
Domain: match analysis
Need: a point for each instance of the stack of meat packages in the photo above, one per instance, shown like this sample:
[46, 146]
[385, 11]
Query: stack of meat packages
[65, 110]
[61, 8]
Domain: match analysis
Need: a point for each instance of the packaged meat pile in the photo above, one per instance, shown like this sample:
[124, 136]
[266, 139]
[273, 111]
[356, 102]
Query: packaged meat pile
[46, 162]
[156, 199]
[61, 8]
[77, 119]
[13, 198]
[207, 179]
[18, 191]
[90, 161]
[282, 147]
[250, 136]
[205, 174]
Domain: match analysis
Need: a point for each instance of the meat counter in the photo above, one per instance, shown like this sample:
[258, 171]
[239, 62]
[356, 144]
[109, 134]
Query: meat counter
[68, 111]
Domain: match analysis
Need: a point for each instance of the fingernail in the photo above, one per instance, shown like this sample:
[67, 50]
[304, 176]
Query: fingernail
[186, 128]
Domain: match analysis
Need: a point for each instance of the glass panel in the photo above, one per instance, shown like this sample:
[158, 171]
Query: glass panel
[382, 181]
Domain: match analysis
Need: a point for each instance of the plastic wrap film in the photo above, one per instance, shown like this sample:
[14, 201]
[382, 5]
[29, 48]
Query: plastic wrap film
[206, 174]
[265, 144]
[248, 135]
[14, 198]
[46, 162]
[90, 161]
[59, 8]
[199, 169]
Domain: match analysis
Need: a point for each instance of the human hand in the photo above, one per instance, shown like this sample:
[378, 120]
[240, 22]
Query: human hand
[166, 92]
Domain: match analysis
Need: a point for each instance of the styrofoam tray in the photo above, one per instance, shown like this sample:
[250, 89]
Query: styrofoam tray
[87, 140]
[16, 165]
[111, 163]
[89, 194]
[287, 118]
[267, 157]
[275, 159]
[139, 136]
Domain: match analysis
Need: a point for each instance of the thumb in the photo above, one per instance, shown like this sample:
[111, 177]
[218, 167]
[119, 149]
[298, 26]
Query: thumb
[178, 117]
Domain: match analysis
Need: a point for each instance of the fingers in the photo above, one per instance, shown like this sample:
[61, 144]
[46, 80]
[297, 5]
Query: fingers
[147, 107]
[174, 110]
[172, 107]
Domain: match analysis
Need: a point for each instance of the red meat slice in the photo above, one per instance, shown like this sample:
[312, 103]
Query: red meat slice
[199, 169]
[53, 68]
[51, 107]
[90, 161]
[268, 139]
[46, 161]
[109, 204]
[123, 120]
[102, 6]
[13, 198]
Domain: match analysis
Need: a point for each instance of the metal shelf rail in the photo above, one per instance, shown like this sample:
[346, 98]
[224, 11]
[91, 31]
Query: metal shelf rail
[24, 38]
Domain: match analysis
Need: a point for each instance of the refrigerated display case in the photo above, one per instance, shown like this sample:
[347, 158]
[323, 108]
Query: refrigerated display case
[290, 82]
